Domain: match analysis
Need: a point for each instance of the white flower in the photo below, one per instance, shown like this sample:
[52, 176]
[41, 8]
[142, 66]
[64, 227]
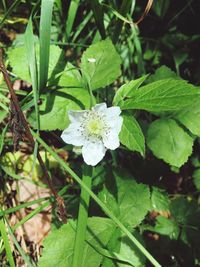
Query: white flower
[95, 130]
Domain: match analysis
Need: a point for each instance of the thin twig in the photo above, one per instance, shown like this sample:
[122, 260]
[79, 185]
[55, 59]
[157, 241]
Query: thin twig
[146, 11]
[27, 133]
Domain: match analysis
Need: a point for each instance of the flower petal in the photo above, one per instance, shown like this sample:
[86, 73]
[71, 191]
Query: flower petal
[93, 153]
[116, 124]
[100, 107]
[77, 115]
[72, 135]
[113, 112]
[111, 140]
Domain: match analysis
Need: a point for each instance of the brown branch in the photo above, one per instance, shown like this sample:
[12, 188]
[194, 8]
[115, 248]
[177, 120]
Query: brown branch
[16, 111]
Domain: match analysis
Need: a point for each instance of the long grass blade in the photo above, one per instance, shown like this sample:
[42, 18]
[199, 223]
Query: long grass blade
[82, 218]
[5, 238]
[45, 33]
[71, 16]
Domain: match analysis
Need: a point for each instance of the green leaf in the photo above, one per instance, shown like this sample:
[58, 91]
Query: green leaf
[163, 95]
[165, 226]
[55, 106]
[131, 134]
[127, 251]
[196, 178]
[58, 246]
[168, 141]
[162, 73]
[59, 73]
[100, 64]
[190, 118]
[159, 200]
[129, 200]
[126, 90]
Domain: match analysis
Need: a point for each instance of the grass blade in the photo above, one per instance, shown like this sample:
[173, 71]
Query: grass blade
[45, 33]
[82, 218]
[71, 16]
[5, 238]
[21, 251]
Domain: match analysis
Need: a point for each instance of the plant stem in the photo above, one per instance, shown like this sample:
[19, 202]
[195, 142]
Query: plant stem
[82, 217]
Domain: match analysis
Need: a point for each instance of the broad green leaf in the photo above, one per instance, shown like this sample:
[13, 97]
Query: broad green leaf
[100, 64]
[55, 106]
[126, 90]
[196, 178]
[59, 245]
[162, 73]
[161, 7]
[159, 200]
[131, 134]
[168, 141]
[60, 72]
[190, 118]
[129, 200]
[163, 95]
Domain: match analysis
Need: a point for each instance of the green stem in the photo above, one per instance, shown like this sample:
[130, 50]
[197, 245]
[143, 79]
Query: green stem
[98, 201]
[82, 217]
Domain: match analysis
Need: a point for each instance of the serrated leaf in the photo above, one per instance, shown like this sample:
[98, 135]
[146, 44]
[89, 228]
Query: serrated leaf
[129, 200]
[55, 105]
[159, 200]
[126, 90]
[163, 95]
[196, 178]
[100, 64]
[190, 118]
[169, 142]
[162, 73]
[59, 245]
[131, 134]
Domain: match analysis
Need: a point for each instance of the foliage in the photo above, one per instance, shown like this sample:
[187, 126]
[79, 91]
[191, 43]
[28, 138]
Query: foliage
[145, 195]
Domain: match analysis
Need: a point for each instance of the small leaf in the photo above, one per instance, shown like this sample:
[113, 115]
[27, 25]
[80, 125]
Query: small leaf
[168, 141]
[159, 200]
[163, 95]
[131, 134]
[162, 73]
[190, 118]
[100, 64]
[125, 91]
[196, 178]
[165, 226]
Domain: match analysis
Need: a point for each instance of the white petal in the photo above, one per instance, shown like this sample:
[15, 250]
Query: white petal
[77, 115]
[93, 153]
[111, 140]
[72, 135]
[100, 107]
[116, 124]
[113, 112]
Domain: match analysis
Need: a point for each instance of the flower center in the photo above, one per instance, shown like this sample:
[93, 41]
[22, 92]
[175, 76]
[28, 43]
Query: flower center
[95, 126]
